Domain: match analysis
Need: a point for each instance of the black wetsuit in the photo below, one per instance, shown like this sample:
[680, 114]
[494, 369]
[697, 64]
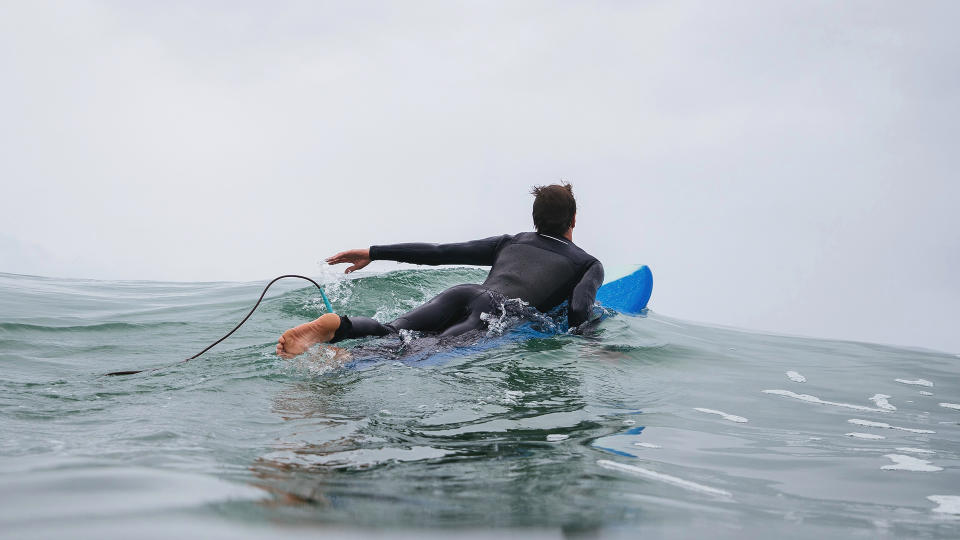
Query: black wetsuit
[541, 270]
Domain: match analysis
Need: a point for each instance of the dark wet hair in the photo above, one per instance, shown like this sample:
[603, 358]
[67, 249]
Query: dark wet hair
[553, 208]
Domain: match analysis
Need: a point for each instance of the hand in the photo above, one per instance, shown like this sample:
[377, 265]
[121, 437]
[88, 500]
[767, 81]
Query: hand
[359, 258]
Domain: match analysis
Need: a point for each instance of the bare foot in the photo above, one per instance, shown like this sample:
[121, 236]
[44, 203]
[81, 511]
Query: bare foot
[298, 339]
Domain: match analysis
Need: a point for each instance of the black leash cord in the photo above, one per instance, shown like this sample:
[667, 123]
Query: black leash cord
[212, 345]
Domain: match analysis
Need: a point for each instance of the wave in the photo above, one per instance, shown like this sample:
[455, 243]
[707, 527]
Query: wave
[96, 327]
[531, 424]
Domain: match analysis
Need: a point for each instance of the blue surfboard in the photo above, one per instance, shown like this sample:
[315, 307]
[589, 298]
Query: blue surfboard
[628, 294]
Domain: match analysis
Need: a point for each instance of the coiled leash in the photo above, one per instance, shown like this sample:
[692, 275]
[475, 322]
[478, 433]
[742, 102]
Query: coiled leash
[212, 345]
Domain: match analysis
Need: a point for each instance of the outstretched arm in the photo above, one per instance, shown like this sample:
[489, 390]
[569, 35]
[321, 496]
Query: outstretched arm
[584, 295]
[479, 252]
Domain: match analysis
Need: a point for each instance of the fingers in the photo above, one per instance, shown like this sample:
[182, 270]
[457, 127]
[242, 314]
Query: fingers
[338, 258]
[349, 256]
[357, 265]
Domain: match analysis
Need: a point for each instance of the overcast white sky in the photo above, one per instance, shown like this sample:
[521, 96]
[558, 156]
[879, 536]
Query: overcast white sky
[782, 166]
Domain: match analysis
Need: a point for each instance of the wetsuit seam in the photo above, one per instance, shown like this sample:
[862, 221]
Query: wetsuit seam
[564, 242]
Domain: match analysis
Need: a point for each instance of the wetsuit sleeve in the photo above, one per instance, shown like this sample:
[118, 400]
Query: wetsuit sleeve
[479, 252]
[585, 294]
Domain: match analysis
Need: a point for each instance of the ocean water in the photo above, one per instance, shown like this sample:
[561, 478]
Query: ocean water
[647, 426]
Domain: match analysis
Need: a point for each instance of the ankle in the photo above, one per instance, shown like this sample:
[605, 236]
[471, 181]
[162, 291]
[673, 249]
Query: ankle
[328, 320]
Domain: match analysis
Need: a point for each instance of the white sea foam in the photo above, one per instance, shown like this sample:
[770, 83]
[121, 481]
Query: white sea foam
[885, 425]
[950, 406]
[949, 504]
[730, 417]
[814, 399]
[870, 436]
[647, 445]
[915, 382]
[557, 437]
[407, 336]
[660, 477]
[881, 401]
[511, 397]
[796, 377]
[909, 463]
[925, 393]
[916, 450]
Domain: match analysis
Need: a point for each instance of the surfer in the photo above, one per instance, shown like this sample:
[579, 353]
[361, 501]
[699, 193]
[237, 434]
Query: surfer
[543, 268]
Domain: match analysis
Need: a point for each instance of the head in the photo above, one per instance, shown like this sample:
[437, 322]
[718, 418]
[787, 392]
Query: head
[554, 209]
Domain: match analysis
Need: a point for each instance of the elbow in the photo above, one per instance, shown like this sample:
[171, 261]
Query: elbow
[577, 316]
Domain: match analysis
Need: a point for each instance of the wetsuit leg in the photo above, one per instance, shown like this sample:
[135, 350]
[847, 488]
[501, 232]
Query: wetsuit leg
[480, 304]
[443, 311]
[451, 309]
[355, 327]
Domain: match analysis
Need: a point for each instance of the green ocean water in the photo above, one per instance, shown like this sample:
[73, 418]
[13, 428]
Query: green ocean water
[646, 426]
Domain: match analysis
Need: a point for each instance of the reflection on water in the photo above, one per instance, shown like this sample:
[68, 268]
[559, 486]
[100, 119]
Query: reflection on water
[476, 456]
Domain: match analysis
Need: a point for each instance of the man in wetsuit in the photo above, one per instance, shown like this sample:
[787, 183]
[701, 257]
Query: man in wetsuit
[542, 268]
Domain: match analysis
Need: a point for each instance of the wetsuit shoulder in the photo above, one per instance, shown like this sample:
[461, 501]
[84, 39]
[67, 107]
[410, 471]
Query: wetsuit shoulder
[570, 251]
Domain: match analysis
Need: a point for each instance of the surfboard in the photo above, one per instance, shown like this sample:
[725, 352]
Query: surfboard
[628, 294]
